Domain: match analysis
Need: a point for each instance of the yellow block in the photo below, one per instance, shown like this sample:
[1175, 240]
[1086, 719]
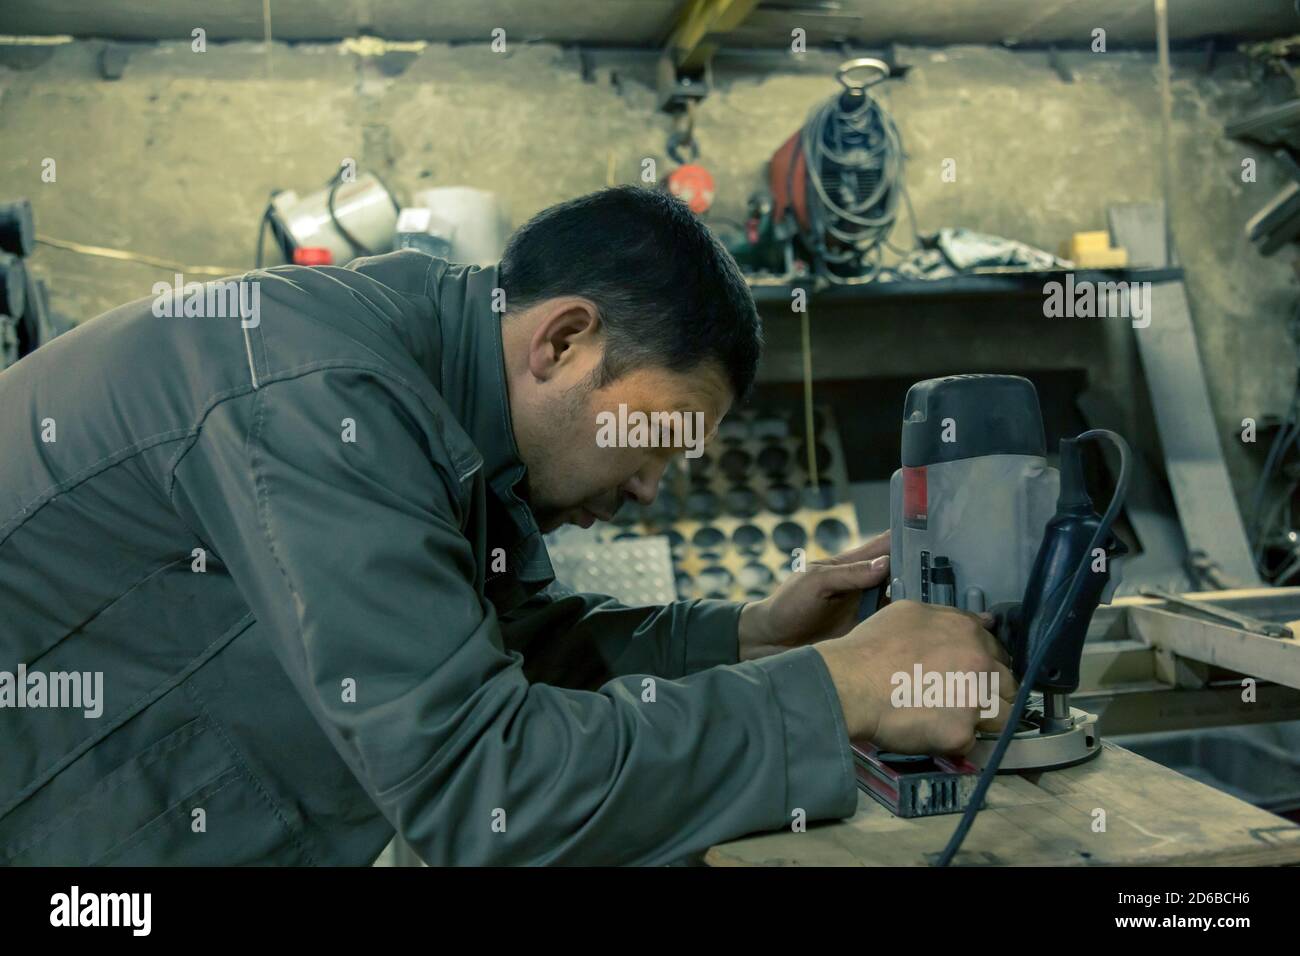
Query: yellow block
[1090, 241]
[1092, 250]
[1102, 259]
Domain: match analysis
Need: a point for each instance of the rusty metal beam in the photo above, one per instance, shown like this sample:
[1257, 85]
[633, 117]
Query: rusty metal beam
[691, 43]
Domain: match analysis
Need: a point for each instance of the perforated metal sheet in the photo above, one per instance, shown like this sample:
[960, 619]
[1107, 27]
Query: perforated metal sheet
[635, 572]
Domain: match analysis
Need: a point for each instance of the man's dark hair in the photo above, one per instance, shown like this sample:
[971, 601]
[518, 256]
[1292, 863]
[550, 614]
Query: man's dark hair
[669, 294]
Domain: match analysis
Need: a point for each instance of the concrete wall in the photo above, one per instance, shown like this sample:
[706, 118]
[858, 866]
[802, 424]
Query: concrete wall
[176, 159]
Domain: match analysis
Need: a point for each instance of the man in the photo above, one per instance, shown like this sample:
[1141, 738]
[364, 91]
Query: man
[302, 546]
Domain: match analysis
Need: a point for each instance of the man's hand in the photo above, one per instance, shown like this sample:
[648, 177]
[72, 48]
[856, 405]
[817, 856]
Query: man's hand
[816, 604]
[895, 640]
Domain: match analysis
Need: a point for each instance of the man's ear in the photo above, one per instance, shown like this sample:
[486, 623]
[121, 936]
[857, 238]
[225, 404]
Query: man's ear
[565, 329]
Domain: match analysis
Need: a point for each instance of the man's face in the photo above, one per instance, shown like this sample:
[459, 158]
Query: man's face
[585, 464]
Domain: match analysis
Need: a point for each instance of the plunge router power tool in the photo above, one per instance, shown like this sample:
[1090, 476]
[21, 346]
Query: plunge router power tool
[980, 522]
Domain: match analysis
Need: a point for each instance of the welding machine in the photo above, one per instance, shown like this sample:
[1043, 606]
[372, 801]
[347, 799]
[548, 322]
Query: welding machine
[833, 188]
[839, 177]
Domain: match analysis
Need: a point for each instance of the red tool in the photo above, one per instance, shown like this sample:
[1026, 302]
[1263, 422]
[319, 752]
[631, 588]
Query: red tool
[915, 786]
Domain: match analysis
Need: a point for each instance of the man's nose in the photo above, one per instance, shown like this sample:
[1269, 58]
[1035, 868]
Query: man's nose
[644, 485]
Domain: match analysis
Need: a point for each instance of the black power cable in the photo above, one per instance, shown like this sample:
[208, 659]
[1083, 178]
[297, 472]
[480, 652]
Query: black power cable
[357, 245]
[1053, 631]
[1261, 519]
[268, 220]
[335, 182]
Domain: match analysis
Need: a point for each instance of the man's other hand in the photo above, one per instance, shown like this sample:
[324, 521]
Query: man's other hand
[816, 604]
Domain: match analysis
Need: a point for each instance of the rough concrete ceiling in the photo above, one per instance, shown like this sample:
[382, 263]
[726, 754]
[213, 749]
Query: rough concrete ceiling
[646, 22]
[606, 22]
[1065, 22]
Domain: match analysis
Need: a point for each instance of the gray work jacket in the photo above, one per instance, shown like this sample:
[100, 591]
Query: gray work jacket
[272, 543]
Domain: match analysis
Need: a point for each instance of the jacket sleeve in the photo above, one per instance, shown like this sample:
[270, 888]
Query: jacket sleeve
[670, 640]
[352, 555]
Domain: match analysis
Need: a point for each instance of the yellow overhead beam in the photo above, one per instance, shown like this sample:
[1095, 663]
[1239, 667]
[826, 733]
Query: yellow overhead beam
[690, 45]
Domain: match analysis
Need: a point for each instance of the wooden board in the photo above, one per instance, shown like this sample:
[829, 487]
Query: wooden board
[1154, 816]
[1275, 659]
[1229, 596]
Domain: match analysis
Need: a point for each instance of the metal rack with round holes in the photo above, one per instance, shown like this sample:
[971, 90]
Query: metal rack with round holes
[737, 517]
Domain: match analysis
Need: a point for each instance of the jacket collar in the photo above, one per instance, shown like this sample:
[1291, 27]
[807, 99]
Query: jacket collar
[471, 376]
[472, 380]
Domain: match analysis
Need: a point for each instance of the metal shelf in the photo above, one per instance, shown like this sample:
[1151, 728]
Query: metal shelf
[1010, 283]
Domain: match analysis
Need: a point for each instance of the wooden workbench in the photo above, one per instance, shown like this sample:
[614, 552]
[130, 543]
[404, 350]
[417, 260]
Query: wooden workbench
[1154, 816]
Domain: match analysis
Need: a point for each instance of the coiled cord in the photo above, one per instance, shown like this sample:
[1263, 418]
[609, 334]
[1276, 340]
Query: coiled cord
[862, 141]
